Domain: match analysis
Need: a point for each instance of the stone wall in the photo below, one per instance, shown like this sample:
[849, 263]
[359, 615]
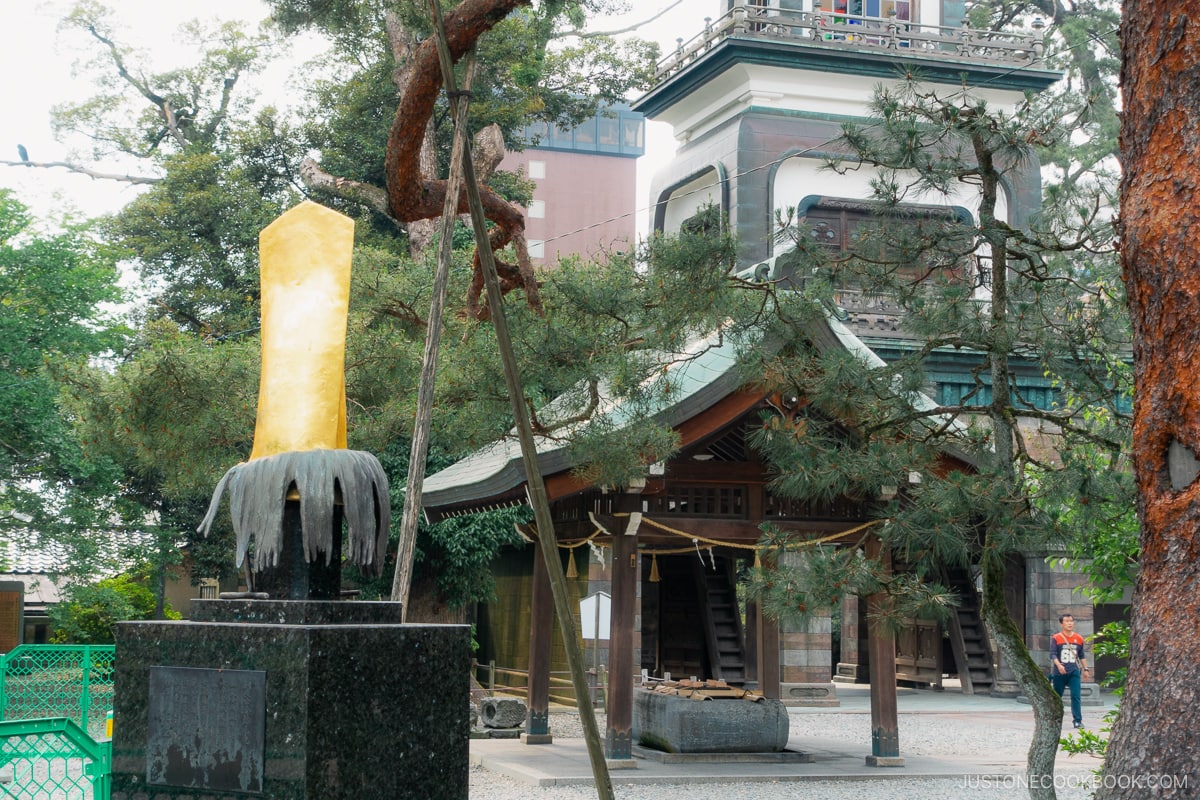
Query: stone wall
[806, 650]
[1052, 590]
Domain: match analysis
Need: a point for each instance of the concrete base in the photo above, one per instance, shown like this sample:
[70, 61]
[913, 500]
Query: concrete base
[784, 757]
[621, 763]
[1089, 695]
[851, 673]
[1005, 689]
[885, 761]
[537, 738]
[809, 695]
[497, 733]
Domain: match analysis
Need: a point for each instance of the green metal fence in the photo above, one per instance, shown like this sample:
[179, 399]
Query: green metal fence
[71, 681]
[53, 759]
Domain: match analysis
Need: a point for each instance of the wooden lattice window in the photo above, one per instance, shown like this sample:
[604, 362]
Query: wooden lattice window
[702, 501]
[845, 225]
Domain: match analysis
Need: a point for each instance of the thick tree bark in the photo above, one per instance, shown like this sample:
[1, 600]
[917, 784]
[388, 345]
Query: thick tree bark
[412, 196]
[1153, 748]
[403, 44]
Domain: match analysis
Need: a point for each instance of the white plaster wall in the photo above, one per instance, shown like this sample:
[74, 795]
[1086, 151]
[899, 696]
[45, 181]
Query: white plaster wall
[801, 176]
[685, 201]
[741, 86]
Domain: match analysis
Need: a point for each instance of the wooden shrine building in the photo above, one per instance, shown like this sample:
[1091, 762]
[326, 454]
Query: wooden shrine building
[675, 544]
[756, 100]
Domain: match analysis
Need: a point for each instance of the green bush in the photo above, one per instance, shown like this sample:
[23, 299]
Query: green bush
[87, 614]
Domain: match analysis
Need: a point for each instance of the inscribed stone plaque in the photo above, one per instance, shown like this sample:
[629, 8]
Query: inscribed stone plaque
[206, 728]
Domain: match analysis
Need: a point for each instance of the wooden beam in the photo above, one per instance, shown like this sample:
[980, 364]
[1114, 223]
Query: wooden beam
[768, 657]
[419, 452]
[537, 487]
[717, 416]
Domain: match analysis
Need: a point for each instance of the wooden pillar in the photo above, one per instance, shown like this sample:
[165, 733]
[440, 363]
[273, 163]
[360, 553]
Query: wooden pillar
[753, 643]
[768, 656]
[885, 724]
[541, 632]
[618, 743]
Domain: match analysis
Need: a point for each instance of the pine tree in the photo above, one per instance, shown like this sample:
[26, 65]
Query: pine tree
[974, 477]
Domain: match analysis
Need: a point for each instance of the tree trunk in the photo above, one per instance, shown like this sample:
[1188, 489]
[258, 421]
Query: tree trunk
[1047, 705]
[1157, 736]
[403, 44]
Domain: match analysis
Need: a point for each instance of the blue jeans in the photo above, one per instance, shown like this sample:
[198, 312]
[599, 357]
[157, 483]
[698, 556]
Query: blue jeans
[1072, 679]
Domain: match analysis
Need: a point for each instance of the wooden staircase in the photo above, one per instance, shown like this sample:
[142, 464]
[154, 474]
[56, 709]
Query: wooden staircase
[721, 620]
[691, 625]
[968, 636]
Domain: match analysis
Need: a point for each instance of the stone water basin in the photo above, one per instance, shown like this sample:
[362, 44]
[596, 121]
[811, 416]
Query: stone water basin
[702, 723]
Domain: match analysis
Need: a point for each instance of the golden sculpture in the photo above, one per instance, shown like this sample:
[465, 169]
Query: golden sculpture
[299, 450]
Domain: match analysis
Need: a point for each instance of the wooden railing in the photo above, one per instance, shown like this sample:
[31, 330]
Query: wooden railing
[513, 681]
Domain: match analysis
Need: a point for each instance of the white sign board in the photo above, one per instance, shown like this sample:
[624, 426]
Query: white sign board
[594, 611]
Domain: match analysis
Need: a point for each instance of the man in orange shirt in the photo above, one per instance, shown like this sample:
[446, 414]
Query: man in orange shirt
[1070, 664]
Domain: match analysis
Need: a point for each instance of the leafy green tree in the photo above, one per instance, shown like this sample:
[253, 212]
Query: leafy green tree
[88, 613]
[969, 477]
[217, 167]
[56, 291]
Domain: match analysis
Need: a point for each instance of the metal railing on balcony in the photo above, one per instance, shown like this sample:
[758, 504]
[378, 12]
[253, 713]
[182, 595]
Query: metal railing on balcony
[856, 32]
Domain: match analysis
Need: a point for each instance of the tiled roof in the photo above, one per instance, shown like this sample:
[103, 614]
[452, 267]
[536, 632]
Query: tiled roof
[20, 554]
[700, 378]
[24, 553]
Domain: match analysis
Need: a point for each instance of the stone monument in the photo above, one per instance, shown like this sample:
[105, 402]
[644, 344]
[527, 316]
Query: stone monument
[286, 691]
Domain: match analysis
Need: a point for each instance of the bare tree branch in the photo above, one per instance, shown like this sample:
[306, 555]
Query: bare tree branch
[364, 193]
[595, 34]
[161, 103]
[82, 170]
[223, 109]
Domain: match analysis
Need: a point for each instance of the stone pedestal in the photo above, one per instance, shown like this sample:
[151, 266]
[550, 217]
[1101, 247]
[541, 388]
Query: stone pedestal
[1089, 695]
[290, 700]
[822, 695]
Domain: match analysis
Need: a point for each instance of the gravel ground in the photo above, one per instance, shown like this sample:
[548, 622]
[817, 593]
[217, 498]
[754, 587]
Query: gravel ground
[486, 786]
[920, 734]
